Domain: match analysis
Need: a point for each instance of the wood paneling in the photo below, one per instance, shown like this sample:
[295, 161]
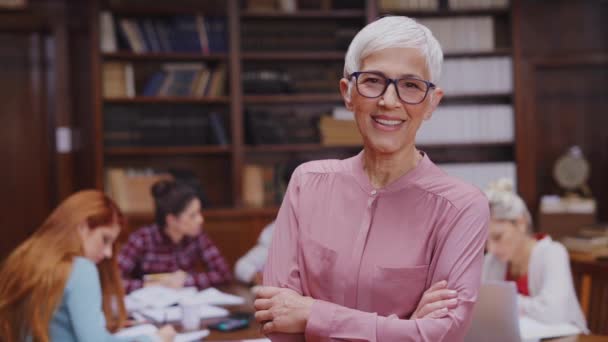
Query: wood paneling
[561, 75]
[27, 182]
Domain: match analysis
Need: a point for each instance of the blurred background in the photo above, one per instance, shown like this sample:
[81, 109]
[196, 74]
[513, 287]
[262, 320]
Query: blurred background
[115, 94]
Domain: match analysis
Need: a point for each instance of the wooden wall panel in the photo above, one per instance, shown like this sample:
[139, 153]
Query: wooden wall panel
[27, 183]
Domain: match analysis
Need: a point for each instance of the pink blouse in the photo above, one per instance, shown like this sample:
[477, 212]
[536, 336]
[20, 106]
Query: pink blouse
[367, 255]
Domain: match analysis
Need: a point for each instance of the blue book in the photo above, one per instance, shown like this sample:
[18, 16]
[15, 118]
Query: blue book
[154, 84]
[217, 129]
[183, 34]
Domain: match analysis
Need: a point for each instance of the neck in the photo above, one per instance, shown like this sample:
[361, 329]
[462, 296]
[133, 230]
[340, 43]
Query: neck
[383, 169]
[522, 255]
[174, 234]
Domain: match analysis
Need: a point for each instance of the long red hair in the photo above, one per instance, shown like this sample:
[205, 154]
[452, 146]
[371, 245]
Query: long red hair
[33, 277]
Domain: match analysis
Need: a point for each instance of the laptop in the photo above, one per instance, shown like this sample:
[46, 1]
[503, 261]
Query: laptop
[495, 316]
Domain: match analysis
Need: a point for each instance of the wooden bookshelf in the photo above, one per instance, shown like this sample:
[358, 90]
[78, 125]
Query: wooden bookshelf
[168, 100]
[164, 56]
[236, 102]
[447, 13]
[160, 151]
[293, 98]
[294, 56]
[305, 14]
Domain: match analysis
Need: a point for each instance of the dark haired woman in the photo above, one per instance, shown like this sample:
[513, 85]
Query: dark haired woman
[174, 251]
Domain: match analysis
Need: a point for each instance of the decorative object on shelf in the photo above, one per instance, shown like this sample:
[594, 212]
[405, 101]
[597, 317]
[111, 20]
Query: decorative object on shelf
[571, 171]
[13, 4]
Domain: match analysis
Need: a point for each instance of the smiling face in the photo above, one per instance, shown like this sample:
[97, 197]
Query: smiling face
[387, 124]
[97, 242]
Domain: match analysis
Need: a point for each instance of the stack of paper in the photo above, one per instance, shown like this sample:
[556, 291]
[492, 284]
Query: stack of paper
[213, 296]
[174, 313]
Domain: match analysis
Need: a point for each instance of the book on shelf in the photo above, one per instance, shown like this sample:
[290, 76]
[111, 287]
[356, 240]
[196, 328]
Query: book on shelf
[408, 5]
[108, 32]
[130, 188]
[218, 129]
[263, 185]
[118, 80]
[477, 4]
[477, 76]
[463, 34]
[171, 33]
[462, 124]
[186, 80]
[281, 126]
[161, 125]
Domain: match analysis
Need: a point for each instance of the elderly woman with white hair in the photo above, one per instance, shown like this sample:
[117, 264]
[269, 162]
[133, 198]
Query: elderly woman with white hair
[383, 246]
[539, 266]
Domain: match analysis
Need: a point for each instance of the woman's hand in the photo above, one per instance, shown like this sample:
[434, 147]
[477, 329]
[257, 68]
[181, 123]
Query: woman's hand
[436, 301]
[166, 333]
[281, 310]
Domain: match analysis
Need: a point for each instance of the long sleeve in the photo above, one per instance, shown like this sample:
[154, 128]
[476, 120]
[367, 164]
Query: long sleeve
[459, 260]
[281, 268]
[218, 271]
[252, 262]
[83, 303]
[552, 303]
[129, 260]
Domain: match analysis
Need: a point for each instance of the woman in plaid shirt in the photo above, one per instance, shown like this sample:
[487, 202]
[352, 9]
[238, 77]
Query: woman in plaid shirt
[174, 251]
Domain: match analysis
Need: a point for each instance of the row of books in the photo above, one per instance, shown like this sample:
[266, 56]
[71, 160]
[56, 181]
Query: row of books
[172, 79]
[292, 78]
[177, 33]
[453, 124]
[339, 129]
[281, 126]
[433, 5]
[481, 174]
[263, 185]
[473, 76]
[125, 126]
[290, 6]
[412, 5]
[464, 34]
[281, 35]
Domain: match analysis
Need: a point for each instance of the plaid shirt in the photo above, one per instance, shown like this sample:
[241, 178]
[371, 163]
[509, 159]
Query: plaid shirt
[149, 250]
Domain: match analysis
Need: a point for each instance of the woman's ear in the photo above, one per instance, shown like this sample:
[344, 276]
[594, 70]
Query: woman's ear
[435, 98]
[346, 93]
[170, 220]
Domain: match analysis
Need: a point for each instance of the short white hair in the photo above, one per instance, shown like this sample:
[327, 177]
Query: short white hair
[394, 32]
[505, 204]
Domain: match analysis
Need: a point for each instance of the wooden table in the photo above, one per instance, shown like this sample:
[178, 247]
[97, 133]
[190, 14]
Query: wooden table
[253, 331]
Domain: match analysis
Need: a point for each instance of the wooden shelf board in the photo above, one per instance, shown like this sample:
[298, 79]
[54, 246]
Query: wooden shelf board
[294, 55]
[478, 99]
[293, 98]
[169, 150]
[499, 52]
[168, 99]
[449, 13]
[305, 14]
[296, 148]
[164, 56]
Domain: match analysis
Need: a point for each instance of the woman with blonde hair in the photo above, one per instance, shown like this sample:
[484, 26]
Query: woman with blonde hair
[539, 266]
[62, 283]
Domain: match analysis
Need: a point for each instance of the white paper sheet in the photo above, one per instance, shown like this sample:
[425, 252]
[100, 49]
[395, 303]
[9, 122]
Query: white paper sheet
[150, 330]
[174, 313]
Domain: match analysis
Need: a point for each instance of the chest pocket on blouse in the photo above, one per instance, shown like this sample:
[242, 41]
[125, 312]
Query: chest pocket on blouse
[319, 267]
[397, 290]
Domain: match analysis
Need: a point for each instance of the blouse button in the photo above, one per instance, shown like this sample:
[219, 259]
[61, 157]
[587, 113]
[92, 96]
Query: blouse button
[373, 192]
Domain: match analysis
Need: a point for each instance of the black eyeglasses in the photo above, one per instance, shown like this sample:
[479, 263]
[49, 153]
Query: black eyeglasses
[373, 84]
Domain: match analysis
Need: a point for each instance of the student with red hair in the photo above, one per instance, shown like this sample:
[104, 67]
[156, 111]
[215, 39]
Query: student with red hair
[62, 283]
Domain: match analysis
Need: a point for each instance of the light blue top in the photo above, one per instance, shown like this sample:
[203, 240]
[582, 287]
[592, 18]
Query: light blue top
[79, 317]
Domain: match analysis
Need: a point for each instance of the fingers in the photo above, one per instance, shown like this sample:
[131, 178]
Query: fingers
[438, 285]
[437, 313]
[263, 316]
[437, 295]
[268, 327]
[262, 304]
[266, 291]
[438, 308]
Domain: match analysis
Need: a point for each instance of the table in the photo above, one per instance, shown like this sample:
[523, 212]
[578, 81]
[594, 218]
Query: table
[253, 331]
